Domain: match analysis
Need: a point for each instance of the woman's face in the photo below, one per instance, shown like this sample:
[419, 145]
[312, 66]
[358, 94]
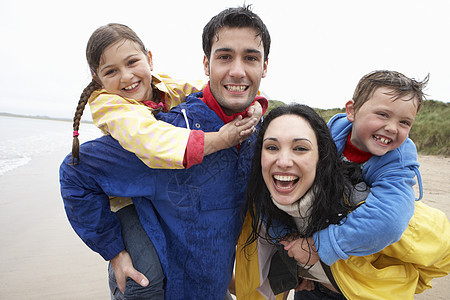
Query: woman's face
[289, 158]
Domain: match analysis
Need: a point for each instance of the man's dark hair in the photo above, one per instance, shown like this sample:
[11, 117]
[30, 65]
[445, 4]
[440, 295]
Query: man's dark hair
[238, 17]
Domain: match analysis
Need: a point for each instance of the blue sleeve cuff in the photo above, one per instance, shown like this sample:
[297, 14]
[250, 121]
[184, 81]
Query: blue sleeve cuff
[328, 249]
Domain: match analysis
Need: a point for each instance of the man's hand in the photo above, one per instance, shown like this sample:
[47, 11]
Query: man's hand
[123, 268]
[302, 250]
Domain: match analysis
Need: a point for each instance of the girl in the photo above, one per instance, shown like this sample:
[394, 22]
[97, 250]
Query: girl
[123, 95]
[298, 186]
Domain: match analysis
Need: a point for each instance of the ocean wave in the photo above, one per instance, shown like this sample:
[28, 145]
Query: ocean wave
[8, 164]
[27, 138]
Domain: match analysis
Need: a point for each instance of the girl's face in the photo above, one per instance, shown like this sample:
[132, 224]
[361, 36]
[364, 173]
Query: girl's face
[126, 71]
[289, 158]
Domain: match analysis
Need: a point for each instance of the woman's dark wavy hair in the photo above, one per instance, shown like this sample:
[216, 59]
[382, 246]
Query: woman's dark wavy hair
[331, 183]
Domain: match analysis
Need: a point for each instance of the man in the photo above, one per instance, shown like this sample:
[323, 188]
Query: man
[192, 216]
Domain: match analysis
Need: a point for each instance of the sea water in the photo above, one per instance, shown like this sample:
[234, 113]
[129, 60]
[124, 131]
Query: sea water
[21, 139]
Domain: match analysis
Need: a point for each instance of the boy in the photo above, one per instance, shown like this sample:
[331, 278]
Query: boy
[374, 133]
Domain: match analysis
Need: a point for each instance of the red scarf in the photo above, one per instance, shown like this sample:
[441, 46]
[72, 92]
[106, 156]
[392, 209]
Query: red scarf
[209, 100]
[354, 154]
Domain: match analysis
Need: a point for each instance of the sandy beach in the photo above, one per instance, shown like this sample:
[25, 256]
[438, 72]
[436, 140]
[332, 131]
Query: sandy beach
[43, 258]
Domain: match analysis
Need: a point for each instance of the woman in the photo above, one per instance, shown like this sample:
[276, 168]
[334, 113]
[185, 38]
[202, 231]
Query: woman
[298, 185]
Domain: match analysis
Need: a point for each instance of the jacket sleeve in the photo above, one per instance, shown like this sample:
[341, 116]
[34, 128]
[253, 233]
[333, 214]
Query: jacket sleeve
[377, 223]
[157, 144]
[104, 169]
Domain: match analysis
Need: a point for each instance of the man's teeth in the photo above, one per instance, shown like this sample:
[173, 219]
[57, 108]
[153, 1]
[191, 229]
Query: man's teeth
[236, 88]
[285, 178]
[382, 140]
[132, 86]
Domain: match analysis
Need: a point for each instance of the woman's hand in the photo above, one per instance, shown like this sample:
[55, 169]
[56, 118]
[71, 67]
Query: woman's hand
[123, 268]
[302, 250]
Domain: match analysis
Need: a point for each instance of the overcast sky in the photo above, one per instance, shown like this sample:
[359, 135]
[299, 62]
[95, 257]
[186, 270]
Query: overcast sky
[319, 51]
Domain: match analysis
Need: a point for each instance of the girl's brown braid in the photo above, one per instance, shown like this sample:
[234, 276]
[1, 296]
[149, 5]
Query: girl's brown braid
[77, 118]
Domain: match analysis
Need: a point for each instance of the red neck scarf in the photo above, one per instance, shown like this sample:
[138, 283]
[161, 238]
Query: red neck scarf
[354, 154]
[211, 102]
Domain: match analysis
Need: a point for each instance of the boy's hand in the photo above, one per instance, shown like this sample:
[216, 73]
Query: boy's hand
[302, 250]
[123, 268]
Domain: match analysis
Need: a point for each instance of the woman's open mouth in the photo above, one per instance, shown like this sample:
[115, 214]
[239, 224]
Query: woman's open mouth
[285, 182]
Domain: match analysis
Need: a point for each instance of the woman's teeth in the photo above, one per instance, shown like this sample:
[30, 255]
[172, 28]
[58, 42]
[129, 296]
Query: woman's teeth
[285, 181]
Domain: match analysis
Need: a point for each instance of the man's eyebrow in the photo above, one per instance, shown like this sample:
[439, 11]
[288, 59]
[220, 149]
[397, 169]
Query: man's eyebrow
[253, 51]
[226, 49]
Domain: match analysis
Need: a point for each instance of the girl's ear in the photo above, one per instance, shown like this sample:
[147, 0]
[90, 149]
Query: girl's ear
[150, 59]
[95, 77]
[350, 110]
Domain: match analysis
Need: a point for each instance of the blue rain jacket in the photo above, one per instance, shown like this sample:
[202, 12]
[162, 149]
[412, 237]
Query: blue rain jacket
[385, 215]
[192, 216]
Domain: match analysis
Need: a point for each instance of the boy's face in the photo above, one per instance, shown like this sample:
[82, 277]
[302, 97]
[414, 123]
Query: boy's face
[235, 68]
[381, 124]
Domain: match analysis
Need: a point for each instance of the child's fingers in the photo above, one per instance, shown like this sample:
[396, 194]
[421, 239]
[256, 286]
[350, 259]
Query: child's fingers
[251, 111]
[237, 120]
[287, 244]
[246, 123]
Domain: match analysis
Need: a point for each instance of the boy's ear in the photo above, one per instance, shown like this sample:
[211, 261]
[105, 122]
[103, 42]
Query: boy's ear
[350, 110]
[206, 65]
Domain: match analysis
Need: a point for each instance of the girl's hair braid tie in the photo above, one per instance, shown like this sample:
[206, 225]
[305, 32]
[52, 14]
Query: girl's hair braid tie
[75, 133]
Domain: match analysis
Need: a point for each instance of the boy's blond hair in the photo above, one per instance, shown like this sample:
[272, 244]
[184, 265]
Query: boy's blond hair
[400, 84]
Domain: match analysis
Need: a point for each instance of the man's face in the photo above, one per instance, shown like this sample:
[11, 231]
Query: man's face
[235, 68]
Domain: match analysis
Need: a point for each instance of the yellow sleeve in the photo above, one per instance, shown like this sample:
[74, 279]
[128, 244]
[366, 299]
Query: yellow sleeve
[158, 144]
[176, 90]
[404, 268]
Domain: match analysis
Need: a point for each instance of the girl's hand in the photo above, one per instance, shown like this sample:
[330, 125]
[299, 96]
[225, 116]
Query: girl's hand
[255, 111]
[236, 131]
[123, 268]
[233, 133]
[302, 250]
